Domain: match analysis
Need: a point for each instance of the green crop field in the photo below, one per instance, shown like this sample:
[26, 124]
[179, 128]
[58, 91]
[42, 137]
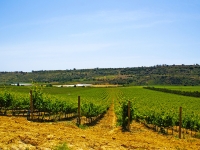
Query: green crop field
[162, 109]
[153, 107]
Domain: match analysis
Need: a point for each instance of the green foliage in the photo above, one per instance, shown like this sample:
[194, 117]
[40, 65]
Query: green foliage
[121, 109]
[62, 146]
[12, 100]
[94, 102]
[51, 104]
[90, 109]
[82, 126]
[161, 109]
[155, 75]
[49, 85]
[124, 113]
[151, 107]
[179, 92]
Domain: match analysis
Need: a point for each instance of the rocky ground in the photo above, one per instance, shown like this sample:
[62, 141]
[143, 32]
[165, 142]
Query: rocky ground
[18, 133]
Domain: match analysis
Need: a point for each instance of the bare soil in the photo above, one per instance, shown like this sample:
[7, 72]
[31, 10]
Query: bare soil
[18, 133]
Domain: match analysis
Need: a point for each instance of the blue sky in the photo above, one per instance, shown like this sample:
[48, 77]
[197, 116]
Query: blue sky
[67, 34]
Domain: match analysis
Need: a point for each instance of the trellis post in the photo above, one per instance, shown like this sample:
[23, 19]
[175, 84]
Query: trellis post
[180, 121]
[129, 116]
[79, 110]
[31, 105]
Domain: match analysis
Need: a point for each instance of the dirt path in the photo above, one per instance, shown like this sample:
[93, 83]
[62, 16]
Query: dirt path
[18, 133]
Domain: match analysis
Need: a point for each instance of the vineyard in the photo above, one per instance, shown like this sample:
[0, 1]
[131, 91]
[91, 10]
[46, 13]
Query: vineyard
[156, 109]
[54, 107]
[162, 109]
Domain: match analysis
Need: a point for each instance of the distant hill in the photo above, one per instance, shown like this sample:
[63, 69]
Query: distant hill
[155, 75]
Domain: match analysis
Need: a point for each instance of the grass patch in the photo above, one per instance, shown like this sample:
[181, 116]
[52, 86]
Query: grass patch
[82, 126]
[62, 146]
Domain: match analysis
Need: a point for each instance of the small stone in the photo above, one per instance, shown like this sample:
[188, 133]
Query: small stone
[83, 136]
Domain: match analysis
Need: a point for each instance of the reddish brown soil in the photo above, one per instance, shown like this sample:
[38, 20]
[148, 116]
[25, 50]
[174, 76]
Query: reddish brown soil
[18, 133]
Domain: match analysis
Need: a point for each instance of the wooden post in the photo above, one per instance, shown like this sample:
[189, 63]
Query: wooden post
[180, 122]
[31, 105]
[129, 115]
[79, 110]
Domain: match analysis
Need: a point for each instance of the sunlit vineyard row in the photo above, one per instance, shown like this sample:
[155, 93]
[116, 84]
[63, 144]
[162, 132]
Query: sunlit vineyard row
[162, 109]
[94, 101]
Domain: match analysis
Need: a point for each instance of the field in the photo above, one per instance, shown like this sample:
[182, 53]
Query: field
[148, 108]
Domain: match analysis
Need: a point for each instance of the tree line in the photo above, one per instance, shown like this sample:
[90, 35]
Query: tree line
[154, 75]
[178, 92]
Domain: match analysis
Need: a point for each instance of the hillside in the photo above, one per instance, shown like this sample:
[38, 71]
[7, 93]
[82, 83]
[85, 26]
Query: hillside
[155, 75]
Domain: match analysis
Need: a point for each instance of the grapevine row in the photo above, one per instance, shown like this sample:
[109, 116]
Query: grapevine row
[55, 107]
[156, 108]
